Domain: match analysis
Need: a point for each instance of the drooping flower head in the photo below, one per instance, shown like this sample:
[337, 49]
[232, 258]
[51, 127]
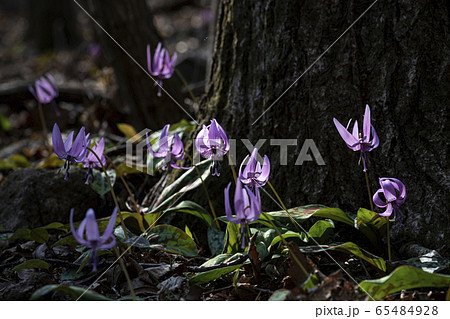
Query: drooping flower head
[212, 142]
[162, 66]
[247, 207]
[45, 91]
[91, 161]
[391, 195]
[170, 147]
[72, 153]
[254, 175]
[359, 142]
[88, 234]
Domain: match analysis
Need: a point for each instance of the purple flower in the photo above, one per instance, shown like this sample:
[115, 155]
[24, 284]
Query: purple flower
[212, 142]
[72, 153]
[45, 91]
[254, 175]
[88, 235]
[356, 141]
[247, 207]
[91, 161]
[391, 195]
[162, 66]
[170, 147]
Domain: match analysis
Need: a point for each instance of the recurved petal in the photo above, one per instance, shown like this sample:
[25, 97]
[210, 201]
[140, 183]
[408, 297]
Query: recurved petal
[377, 200]
[92, 233]
[214, 134]
[177, 146]
[355, 131]
[366, 124]
[238, 199]
[200, 144]
[265, 171]
[58, 145]
[241, 172]
[223, 135]
[388, 211]
[388, 189]
[164, 139]
[109, 230]
[77, 146]
[348, 138]
[228, 210]
[375, 141]
[109, 245]
[74, 232]
[255, 206]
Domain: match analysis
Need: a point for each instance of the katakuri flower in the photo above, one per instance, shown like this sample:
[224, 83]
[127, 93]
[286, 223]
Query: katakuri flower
[212, 142]
[357, 141]
[170, 147]
[162, 66]
[45, 91]
[254, 175]
[72, 153]
[391, 195]
[88, 234]
[91, 161]
[247, 207]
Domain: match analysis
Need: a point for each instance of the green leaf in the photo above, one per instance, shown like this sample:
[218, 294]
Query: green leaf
[31, 264]
[127, 130]
[72, 274]
[231, 239]
[65, 241]
[173, 240]
[53, 161]
[219, 259]
[371, 225]
[73, 291]
[134, 222]
[193, 209]
[263, 240]
[39, 235]
[321, 231]
[124, 168]
[21, 233]
[351, 248]
[215, 240]
[402, 278]
[56, 226]
[5, 125]
[14, 161]
[99, 183]
[288, 234]
[299, 214]
[210, 275]
[430, 262]
[186, 182]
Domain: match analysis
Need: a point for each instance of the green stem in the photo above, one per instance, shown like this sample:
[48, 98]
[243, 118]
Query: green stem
[186, 86]
[125, 184]
[230, 162]
[284, 207]
[206, 190]
[44, 126]
[286, 244]
[113, 194]
[122, 265]
[368, 191]
[388, 239]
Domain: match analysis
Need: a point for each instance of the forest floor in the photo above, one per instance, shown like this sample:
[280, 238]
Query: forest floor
[171, 273]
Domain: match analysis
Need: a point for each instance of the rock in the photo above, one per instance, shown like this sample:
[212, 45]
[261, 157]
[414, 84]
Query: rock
[32, 198]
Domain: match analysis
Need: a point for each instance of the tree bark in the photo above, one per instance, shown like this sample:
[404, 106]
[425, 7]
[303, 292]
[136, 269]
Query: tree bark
[395, 58]
[130, 24]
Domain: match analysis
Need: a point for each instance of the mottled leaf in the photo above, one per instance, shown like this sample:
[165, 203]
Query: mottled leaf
[99, 183]
[32, 264]
[39, 235]
[172, 239]
[73, 291]
[402, 278]
[210, 275]
[215, 240]
[321, 231]
[193, 209]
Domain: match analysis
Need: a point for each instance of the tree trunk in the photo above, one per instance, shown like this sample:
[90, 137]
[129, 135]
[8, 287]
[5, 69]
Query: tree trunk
[130, 24]
[395, 59]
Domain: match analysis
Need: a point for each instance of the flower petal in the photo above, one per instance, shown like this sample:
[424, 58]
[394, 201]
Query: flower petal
[228, 211]
[348, 138]
[164, 139]
[377, 199]
[265, 172]
[92, 233]
[58, 145]
[109, 230]
[75, 234]
[366, 125]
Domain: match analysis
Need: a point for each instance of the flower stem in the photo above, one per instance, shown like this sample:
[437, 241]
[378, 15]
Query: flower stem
[181, 77]
[206, 190]
[44, 126]
[113, 194]
[286, 244]
[388, 239]
[230, 162]
[368, 191]
[284, 207]
[125, 184]
[124, 269]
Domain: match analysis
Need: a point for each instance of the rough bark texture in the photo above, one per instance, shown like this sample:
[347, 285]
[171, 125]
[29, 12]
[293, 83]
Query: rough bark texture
[130, 24]
[396, 59]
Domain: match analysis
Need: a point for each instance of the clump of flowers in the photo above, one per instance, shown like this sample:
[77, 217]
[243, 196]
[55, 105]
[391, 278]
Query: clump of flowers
[247, 207]
[359, 142]
[212, 142]
[88, 234]
[391, 195]
[162, 66]
[254, 175]
[91, 161]
[72, 153]
[170, 147]
[45, 91]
